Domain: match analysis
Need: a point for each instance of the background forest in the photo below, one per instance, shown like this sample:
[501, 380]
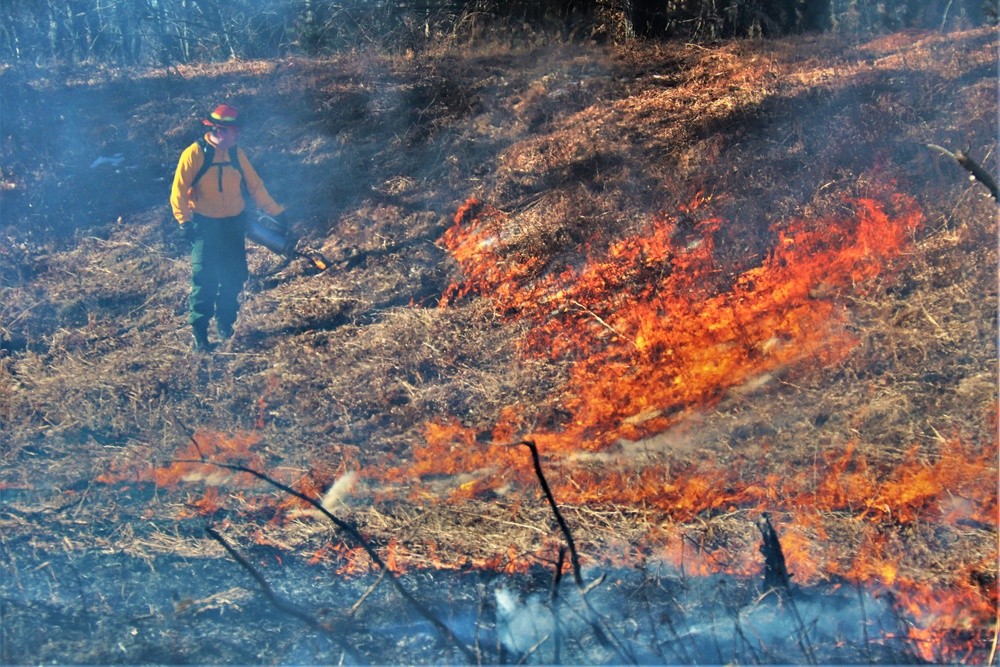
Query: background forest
[165, 32]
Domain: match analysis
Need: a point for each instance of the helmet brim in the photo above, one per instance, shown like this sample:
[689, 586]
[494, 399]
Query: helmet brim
[215, 123]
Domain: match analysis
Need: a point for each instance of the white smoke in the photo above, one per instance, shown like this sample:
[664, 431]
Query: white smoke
[338, 491]
[522, 625]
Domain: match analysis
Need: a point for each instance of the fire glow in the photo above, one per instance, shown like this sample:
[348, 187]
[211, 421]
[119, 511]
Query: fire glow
[650, 334]
[648, 329]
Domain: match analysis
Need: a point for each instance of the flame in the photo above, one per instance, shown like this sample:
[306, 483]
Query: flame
[206, 505]
[186, 469]
[652, 326]
[205, 444]
[650, 329]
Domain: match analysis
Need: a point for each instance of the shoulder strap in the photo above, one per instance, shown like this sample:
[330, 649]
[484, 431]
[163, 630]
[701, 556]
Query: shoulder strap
[208, 150]
[234, 158]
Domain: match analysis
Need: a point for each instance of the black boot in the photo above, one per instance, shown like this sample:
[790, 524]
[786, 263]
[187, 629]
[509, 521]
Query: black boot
[201, 343]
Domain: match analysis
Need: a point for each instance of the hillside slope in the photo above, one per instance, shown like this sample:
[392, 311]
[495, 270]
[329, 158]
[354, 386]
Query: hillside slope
[725, 279]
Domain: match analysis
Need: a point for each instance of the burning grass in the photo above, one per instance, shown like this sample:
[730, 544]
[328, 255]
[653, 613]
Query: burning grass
[707, 282]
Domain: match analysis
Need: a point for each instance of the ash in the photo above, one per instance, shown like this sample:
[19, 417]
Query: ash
[62, 605]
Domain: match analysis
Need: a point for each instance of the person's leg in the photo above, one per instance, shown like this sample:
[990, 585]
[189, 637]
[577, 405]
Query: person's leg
[233, 273]
[204, 279]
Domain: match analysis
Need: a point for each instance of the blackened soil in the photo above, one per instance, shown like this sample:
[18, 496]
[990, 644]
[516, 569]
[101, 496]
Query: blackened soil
[64, 604]
[105, 607]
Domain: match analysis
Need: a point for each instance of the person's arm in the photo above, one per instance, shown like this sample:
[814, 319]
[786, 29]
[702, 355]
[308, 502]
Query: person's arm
[180, 193]
[255, 186]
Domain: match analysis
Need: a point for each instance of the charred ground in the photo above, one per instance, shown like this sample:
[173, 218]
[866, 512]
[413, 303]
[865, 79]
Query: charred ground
[578, 147]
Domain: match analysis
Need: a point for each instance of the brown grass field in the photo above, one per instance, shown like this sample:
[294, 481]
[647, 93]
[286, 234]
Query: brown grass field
[711, 282]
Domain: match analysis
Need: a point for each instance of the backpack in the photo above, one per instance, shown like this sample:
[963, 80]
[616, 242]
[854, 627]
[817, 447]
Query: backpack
[208, 150]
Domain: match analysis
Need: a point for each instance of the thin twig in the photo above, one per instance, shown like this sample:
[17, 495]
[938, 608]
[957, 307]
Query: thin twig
[531, 650]
[554, 600]
[600, 320]
[371, 589]
[993, 649]
[359, 539]
[864, 623]
[966, 162]
[486, 517]
[269, 593]
[278, 603]
[574, 559]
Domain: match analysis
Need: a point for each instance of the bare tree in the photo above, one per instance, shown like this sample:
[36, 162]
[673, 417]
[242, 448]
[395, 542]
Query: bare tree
[156, 32]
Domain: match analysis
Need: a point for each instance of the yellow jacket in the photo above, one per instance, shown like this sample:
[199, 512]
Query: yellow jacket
[217, 194]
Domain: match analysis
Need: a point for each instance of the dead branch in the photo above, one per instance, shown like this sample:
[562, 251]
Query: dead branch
[273, 598]
[974, 168]
[776, 576]
[557, 575]
[554, 601]
[778, 579]
[265, 587]
[574, 558]
[355, 535]
[369, 591]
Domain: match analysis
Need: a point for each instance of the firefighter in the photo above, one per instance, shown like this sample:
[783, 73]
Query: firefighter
[208, 199]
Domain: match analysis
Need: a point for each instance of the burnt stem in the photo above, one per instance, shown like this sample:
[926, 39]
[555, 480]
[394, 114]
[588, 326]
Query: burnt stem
[557, 575]
[776, 576]
[356, 536]
[966, 162]
[778, 579]
[554, 597]
[272, 597]
[574, 558]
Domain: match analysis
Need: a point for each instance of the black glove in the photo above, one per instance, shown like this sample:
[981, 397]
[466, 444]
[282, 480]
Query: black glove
[187, 231]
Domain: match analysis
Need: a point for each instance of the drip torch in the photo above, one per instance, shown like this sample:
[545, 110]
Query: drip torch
[278, 238]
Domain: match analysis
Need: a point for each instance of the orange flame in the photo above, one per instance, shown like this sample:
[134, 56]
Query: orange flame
[649, 328]
[206, 505]
[186, 468]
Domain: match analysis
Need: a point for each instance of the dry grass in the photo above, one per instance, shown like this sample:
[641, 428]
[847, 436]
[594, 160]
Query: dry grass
[342, 370]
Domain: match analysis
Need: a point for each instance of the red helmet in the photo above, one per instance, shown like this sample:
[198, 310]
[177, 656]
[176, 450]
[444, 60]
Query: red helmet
[223, 116]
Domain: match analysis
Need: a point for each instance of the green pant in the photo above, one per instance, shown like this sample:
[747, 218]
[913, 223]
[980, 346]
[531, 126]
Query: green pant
[218, 270]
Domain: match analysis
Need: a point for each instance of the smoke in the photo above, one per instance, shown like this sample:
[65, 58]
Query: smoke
[338, 491]
[675, 619]
[522, 625]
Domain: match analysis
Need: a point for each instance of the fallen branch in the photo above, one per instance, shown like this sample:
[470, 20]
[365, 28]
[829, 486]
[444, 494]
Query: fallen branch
[371, 589]
[966, 162]
[273, 598]
[360, 540]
